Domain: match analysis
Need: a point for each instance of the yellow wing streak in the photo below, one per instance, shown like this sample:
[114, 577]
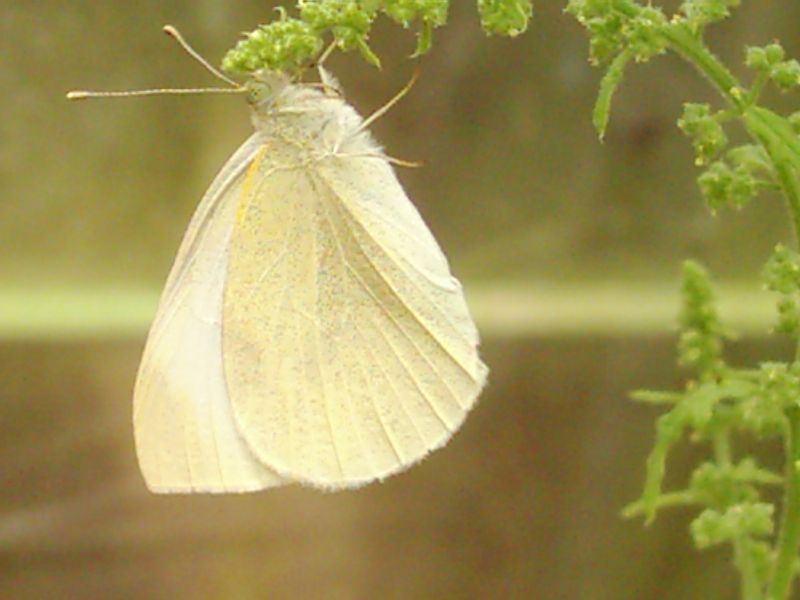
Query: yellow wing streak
[247, 186]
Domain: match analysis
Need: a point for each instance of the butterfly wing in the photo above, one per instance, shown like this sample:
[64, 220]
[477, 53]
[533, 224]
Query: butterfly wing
[186, 439]
[349, 352]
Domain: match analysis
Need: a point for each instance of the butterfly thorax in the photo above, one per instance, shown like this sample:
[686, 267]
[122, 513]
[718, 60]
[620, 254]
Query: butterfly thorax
[310, 123]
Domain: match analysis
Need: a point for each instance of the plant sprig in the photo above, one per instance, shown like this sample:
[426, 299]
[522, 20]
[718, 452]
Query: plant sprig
[288, 43]
[720, 402]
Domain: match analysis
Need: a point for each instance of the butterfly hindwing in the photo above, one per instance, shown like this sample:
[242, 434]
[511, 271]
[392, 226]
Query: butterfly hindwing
[186, 439]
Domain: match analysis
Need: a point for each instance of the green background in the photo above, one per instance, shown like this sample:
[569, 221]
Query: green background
[569, 250]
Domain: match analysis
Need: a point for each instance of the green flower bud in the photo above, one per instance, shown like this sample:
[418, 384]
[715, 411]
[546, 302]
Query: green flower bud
[505, 17]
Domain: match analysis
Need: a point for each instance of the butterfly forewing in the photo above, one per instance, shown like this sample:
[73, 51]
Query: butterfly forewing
[346, 359]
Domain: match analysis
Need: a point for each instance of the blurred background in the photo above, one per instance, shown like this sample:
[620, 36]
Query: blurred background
[569, 250]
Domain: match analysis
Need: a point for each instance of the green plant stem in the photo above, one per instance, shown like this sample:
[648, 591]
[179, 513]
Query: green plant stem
[722, 448]
[667, 500]
[690, 47]
[695, 52]
[758, 86]
[789, 535]
[772, 139]
[751, 587]
[784, 570]
[791, 191]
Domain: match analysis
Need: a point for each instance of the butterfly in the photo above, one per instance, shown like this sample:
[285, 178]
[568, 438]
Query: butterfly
[310, 330]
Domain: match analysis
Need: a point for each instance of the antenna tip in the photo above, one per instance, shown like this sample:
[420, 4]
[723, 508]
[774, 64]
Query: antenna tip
[170, 31]
[77, 95]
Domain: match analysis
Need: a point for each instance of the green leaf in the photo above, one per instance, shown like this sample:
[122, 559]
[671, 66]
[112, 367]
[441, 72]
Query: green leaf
[407, 11]
[748, 471]
[775, 53]
[705, 130]
[348, 21]
[669, 429]
[775, 133]
[713, 527]
[604, 25]
[424, 39]
[668, 500]
[615, 26]
[645, 33]
[751, 157]
[430, 13]
[756, 58]
[786, 75]
[794, 121]
[782, 271]
[505, 17]
[655, 397]
[725, 187]
[722, 485]
[700, 343]
[700, 13]
[608, 86]
[698, 404]
[781, 274]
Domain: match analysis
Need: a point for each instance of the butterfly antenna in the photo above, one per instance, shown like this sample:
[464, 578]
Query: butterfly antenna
[385, 108]
[85, 95]
[173, 33]
[328, 83]
[331, 47]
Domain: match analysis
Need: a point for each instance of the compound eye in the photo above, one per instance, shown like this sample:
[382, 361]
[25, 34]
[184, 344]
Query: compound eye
[257, 91]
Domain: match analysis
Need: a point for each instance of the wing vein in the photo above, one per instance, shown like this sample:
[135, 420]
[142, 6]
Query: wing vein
[343, 256]
[371, 394]
[392, 386]
[391, 317]
[349, 219]
[388, 223]
[354, 274]
[186, 455]
[346, 316]
[414, 380]
[374, 357]
[399, 263]
[320, 369]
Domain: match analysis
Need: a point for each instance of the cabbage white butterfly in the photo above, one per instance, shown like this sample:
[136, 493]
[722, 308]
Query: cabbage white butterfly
[310, 330]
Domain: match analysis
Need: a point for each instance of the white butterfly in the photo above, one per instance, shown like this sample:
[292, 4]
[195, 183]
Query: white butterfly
[310, 330]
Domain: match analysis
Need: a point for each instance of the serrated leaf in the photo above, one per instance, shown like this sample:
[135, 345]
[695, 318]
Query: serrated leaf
[608, 85]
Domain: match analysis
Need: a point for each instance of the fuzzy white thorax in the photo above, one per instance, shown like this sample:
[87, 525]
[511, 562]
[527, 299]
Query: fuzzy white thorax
[317, 120]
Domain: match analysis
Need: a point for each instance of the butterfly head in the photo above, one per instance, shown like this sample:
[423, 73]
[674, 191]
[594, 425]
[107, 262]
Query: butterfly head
[264, 87]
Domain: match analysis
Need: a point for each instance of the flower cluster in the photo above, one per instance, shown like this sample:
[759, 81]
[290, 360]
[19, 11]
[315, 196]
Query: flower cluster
[289, 43]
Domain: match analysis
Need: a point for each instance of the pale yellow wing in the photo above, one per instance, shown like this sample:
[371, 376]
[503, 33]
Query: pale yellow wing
[348, 349]
[186, 439]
